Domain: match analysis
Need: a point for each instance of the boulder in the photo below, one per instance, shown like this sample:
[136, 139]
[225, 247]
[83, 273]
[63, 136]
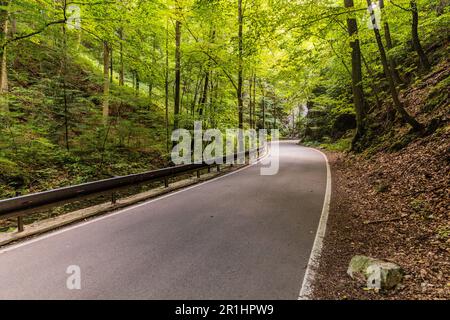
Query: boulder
[377, 274]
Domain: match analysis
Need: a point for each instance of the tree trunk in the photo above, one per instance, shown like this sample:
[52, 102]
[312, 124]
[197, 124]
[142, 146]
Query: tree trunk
[424, 63]
[184, 90]
[397, 103]
[375, 88]
[358, 92]
[111, 66]
[121, 67]
[390, 45]
[293, 122]
[166, 87]
[274, 112]
[64, 75]
[204, 95]
[138, 82]
[263, 106]
[254, 101]
[3, 52]
[212, 101]
[240, 66]
[392, 62]
[151, 81]
[105, 82]
[177, 69]
[250, 105]
[214, 105]
[13, 26]
[4, 66]
[197, 89]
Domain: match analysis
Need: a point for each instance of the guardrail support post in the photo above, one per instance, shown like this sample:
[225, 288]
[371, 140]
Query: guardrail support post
[113, 198]
[166, 182]
[218, 168]
[209, 169]
[19, 224]
[198, 174]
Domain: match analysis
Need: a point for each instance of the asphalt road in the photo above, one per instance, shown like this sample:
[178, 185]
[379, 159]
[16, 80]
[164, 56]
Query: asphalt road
[241, 236]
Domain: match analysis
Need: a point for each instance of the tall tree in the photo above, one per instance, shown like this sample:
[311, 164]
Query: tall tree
[263, 103]
[254, 102]
[121, 63]
[106, 83]
[151, 82]
[204, 96]
[64, 85]
[177, 66]
[3, 54]
[166, 87]
[425, 64]
[390, 45]
[240, 65]
[393, 90]
[357, 84]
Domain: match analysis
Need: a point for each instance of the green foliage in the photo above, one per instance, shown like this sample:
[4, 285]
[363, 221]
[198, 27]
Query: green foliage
[53, 131]
[444, 232]
[340, 145]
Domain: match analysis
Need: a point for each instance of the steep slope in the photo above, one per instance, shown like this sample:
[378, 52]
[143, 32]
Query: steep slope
[57, 104]
[392, 201]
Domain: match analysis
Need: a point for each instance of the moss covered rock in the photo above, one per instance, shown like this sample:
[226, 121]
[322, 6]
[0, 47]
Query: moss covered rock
[377, 274]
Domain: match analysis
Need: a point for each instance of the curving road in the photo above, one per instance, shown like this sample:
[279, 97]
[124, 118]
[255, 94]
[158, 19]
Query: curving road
[241, 236]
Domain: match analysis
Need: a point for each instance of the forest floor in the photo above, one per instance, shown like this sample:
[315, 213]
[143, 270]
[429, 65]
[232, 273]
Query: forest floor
[392, 202]
[391, 205]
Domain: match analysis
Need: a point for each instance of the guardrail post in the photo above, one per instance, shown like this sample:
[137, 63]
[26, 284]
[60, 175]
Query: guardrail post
[19, 224]
[218, 168]
[113, 198]
[209, 169]
[166, 182]
[198, 174]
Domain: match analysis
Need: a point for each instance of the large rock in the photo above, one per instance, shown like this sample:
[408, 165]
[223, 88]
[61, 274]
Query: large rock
[376, 273]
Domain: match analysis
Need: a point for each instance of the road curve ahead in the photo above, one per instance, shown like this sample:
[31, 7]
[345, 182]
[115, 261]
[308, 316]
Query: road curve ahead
[241, 236]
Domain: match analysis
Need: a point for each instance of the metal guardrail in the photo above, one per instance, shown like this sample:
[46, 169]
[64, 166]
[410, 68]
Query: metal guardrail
[19, 206]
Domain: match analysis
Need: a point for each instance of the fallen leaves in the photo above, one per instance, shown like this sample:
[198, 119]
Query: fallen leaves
[407, 222]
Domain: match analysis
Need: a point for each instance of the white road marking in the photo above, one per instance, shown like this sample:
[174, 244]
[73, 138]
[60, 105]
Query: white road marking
[313, 263]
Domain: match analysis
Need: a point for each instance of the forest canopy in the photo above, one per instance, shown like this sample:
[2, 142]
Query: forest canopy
[93, 88]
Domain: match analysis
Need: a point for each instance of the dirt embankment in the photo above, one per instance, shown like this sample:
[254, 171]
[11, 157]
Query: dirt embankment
[394, 204]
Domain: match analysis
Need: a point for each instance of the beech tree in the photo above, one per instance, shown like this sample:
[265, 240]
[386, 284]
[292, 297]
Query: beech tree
[358, 93]
[108, 93]
[388, 73]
